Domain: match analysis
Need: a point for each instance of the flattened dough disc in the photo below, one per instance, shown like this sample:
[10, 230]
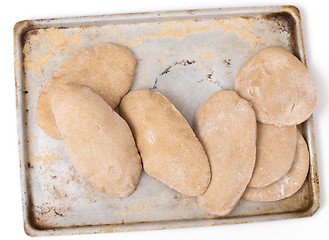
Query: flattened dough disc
[279, 86]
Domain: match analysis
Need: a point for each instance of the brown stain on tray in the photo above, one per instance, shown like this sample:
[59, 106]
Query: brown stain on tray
[243, 28]
[183, 28]
[285, 23]
[52, 41]
[46, 159]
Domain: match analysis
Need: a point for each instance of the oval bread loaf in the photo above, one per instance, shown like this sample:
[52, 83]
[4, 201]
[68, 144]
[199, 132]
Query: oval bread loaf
[226, 126]
[168, 147]
[107, 69]
[97, 140]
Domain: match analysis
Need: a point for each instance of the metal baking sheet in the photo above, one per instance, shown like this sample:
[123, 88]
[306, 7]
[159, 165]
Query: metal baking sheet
[187, 56]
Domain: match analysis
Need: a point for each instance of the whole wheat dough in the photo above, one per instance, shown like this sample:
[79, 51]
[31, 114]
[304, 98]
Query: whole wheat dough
[226, 126]
[168, 146]
[276, 147]
[279, 86]
[289, 184]
[107, 69]
[97, 140]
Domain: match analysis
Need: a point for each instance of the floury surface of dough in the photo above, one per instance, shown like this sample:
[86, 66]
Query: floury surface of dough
[281, 89]
[98, 141]
[107, 69]
[168, 146]
[226, 126]
[289, 184]
[276, 147]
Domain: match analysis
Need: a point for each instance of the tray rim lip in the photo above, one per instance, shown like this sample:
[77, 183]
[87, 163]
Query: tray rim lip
[24, 26]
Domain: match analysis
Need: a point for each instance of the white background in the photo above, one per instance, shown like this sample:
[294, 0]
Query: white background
[314, 16]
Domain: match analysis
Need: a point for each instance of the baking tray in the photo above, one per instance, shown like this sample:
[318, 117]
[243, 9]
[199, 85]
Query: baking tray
[186, 55]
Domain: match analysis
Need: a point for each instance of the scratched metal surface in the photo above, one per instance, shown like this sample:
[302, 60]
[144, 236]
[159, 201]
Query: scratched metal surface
[187, 56]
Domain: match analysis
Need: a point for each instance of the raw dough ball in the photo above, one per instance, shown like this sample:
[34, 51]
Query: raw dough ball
[226, 126]
[97, 140]
[168, 146]
[279, 86]
[276, 147]
[289, 184]
[107, 69]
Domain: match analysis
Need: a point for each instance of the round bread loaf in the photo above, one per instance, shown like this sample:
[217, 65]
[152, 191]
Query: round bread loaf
[276, 147]
[107, 69]
[279, 86]
[168, 146]
[97, 140]
[289, 184]
[226, 126]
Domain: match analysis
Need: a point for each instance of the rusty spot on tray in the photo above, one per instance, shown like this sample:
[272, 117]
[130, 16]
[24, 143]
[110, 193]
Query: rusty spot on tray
[181, 63]
[293, 9]
[191, 12]
[29, 165]
[39, 215]
[286, 23]
[227, 62]
[316, 178]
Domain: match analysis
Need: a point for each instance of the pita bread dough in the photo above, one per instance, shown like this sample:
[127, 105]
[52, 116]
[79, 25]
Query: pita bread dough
[226, 126]
[97, 140]
[289, 184]
[276, 147]
[107, 69]
[279, 86]
[168, 146]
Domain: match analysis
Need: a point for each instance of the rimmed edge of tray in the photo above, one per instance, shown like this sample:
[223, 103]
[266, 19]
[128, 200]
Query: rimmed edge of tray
[24, 26]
